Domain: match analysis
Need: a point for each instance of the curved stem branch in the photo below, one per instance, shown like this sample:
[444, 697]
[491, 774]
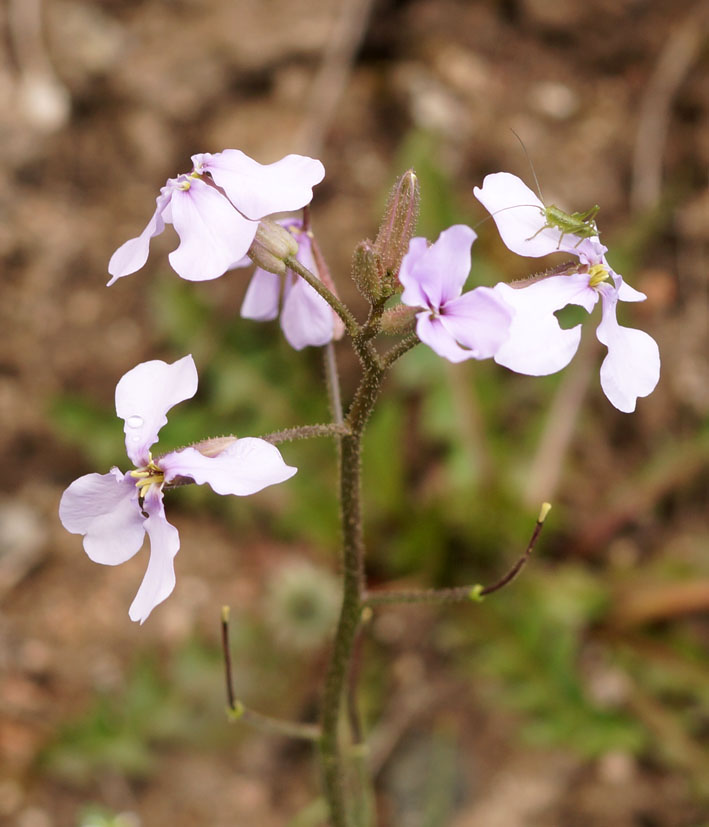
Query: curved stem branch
[342, 311]
[273, 726]
[399, 349]
[459, 593]
[237, 711]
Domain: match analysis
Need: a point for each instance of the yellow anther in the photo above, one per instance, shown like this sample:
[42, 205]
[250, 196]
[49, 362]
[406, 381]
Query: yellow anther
[150, 474]
[598, 273]
[153, 479]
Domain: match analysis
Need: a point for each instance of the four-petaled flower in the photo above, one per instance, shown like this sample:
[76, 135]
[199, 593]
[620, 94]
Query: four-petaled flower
[215, 210]
[537, 344]
[473, 325]
[114, 511]
[306, 318]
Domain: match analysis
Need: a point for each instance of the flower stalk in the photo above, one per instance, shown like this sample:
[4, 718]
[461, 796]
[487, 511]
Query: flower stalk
[331, 753]
[342, 310]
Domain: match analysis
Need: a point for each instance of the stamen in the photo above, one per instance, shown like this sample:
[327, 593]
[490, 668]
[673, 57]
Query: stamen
[144, 484]
[598, 274]
[150, 474]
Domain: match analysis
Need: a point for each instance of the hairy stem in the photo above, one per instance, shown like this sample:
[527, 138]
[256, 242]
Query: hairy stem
[306, 432]
[383, 597]
[342, 311]
[273, 726]
[399, 349]
[331, 754]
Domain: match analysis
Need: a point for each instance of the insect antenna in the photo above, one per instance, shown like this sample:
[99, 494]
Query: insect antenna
[531, 166]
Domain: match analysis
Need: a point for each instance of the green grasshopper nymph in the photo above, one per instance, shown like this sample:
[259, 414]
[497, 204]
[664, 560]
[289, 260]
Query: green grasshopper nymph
[581, 224]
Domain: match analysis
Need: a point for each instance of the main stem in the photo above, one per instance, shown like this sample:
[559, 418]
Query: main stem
[333, 769]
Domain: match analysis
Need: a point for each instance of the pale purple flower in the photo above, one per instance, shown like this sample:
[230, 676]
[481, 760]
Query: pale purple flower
[473, 325]
[114, 511]
[215, 210]
[537, 344]
[306, 318]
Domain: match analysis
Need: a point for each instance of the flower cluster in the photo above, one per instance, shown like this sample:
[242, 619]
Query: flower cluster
[114, 511]
[515, 323]
[220, 212]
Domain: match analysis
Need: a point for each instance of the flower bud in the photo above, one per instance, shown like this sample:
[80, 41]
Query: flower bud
[398, 228]
[398, 320]
[214, 446]
[367, 270]
[272, 246]
[211, 447]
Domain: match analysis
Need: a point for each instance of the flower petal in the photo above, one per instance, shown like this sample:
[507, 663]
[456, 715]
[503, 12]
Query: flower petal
[133, 254]
[245, 467]
[159, 579]
[104, 508]
[413, 294]
[258, 190]
[431, 331]
[537, 345]
[632, 366]
[520, 217]
[213, 235]
[306, 318]
[261, 299]
[626, 293]
[145, 394]
[442, 268]
[479, 320]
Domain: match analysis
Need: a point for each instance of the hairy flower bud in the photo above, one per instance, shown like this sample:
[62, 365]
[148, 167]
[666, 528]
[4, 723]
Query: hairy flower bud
[398, 320]
[214, 446]
[367, 270]
[398, 228]
[272, 246]
[211, 447]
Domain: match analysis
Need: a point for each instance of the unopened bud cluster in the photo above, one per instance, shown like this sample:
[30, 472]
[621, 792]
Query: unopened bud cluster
[375, 267]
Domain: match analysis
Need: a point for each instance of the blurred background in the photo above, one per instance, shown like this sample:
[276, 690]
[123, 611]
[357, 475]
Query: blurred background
[578, 695]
